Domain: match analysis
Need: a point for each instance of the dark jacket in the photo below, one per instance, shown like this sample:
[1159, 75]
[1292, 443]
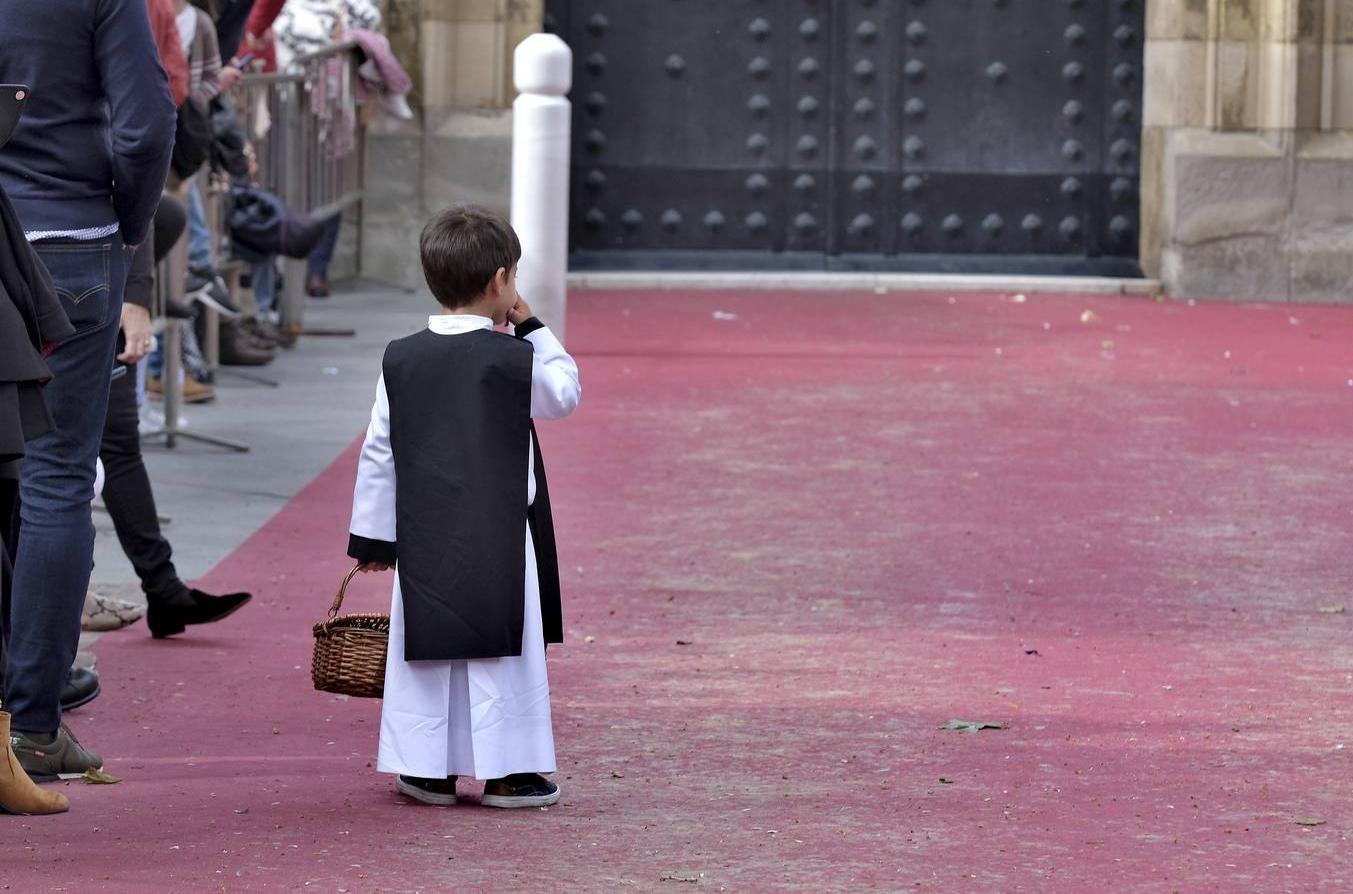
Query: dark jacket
[93, 146]
[32, 321]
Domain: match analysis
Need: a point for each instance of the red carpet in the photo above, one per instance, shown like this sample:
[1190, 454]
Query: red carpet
[795, 543]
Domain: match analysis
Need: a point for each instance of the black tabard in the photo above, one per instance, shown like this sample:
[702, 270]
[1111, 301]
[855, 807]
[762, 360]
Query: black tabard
[460, 421]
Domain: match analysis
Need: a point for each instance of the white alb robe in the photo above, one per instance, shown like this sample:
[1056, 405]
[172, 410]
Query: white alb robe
[483, 718]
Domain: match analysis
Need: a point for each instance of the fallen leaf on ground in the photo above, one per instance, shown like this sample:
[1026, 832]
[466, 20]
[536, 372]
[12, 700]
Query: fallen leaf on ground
[679, 877]
[1089, 316]
[97, 776]
[615, 775]
[1307, 821]
[968, 726]
[685, 642]
[945, 780]
[1332, 609]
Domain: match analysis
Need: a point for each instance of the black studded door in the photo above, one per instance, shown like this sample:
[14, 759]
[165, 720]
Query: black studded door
[964, 135]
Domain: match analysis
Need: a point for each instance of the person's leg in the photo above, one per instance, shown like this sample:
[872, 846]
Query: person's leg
[9, 532]
[56, 539]
[129, 499]
[317, 263]
[199, 235]
[265, 288]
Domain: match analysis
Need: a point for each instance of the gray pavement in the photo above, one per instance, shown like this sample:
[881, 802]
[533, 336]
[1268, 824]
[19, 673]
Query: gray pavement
[217, 498]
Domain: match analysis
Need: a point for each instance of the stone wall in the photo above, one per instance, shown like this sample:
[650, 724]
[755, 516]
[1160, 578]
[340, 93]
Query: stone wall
[1247, 159]
[460, 148]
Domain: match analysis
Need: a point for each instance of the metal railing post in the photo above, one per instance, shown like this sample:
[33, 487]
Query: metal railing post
[293, 292]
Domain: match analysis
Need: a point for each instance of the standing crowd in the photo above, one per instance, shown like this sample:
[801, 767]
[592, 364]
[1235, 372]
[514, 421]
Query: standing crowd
[128, 137]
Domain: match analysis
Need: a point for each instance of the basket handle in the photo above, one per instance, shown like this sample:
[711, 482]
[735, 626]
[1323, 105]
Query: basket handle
[342, 590]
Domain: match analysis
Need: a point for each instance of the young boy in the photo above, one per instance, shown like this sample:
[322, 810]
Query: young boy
[451, 490]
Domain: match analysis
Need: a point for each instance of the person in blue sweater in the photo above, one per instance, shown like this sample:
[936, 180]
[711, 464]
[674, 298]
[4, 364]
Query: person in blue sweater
[84, 170]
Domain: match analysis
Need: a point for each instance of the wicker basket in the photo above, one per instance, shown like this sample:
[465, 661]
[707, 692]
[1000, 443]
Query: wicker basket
[350, 650]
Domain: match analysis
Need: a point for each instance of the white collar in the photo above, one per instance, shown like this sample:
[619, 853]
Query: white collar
[458, 324]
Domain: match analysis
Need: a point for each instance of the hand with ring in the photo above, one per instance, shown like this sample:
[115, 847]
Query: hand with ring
[136, 334]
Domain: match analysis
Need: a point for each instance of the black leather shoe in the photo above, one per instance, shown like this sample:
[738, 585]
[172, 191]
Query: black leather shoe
[167, 617]
[520, 790]
[82, 687]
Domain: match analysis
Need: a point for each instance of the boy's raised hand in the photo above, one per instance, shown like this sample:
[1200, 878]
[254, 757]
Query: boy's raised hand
[520, 312]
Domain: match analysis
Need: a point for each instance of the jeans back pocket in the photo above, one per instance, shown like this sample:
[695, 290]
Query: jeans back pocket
[80, 273]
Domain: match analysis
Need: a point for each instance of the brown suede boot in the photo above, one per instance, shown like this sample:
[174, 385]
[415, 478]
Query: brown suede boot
[18, 793]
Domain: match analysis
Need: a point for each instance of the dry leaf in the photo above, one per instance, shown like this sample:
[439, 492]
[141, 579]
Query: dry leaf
[97, 776]
[1332, 609]
[968, 726]
[1307, 821]
[1089, 316]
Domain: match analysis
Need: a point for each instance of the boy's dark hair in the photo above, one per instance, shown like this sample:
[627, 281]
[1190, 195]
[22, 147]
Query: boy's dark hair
[462, 249]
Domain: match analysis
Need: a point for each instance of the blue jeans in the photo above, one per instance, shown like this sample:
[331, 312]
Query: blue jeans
[265, 286]
[317, 262]
[56, 535]
[199, 236]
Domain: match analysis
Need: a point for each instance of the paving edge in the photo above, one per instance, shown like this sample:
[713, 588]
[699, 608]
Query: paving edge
[886, 282]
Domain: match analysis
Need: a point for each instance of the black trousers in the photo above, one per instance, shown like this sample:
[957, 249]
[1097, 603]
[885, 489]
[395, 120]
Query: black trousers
[126, 488]
[128, 497]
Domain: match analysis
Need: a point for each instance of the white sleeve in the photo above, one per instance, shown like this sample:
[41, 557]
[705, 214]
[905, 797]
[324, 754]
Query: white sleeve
[373, 500]
[554, 377]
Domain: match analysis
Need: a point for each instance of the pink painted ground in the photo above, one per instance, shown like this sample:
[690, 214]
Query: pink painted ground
[795, 544]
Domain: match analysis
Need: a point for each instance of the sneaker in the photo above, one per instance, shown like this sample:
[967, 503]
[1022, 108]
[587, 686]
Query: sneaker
[206, 286]
[441, 792]
[176, 309]
[47, 761]
[103, 613]
[151, 421]
[520, 790]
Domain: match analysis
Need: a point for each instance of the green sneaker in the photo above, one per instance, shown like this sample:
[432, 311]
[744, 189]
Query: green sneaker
[49, 761]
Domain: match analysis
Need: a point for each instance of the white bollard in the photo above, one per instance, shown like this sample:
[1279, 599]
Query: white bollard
[542, 70]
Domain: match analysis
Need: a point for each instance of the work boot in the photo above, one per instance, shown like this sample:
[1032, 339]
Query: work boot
[45, 758]
[238, 349]
[194, 392]
[270, 333]
[18, 793]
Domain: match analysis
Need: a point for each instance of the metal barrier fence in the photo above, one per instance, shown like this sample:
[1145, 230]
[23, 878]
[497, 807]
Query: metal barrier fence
[309, 140]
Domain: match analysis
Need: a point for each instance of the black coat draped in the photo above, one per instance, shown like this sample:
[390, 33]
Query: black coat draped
[32, 320]
[461, 434]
